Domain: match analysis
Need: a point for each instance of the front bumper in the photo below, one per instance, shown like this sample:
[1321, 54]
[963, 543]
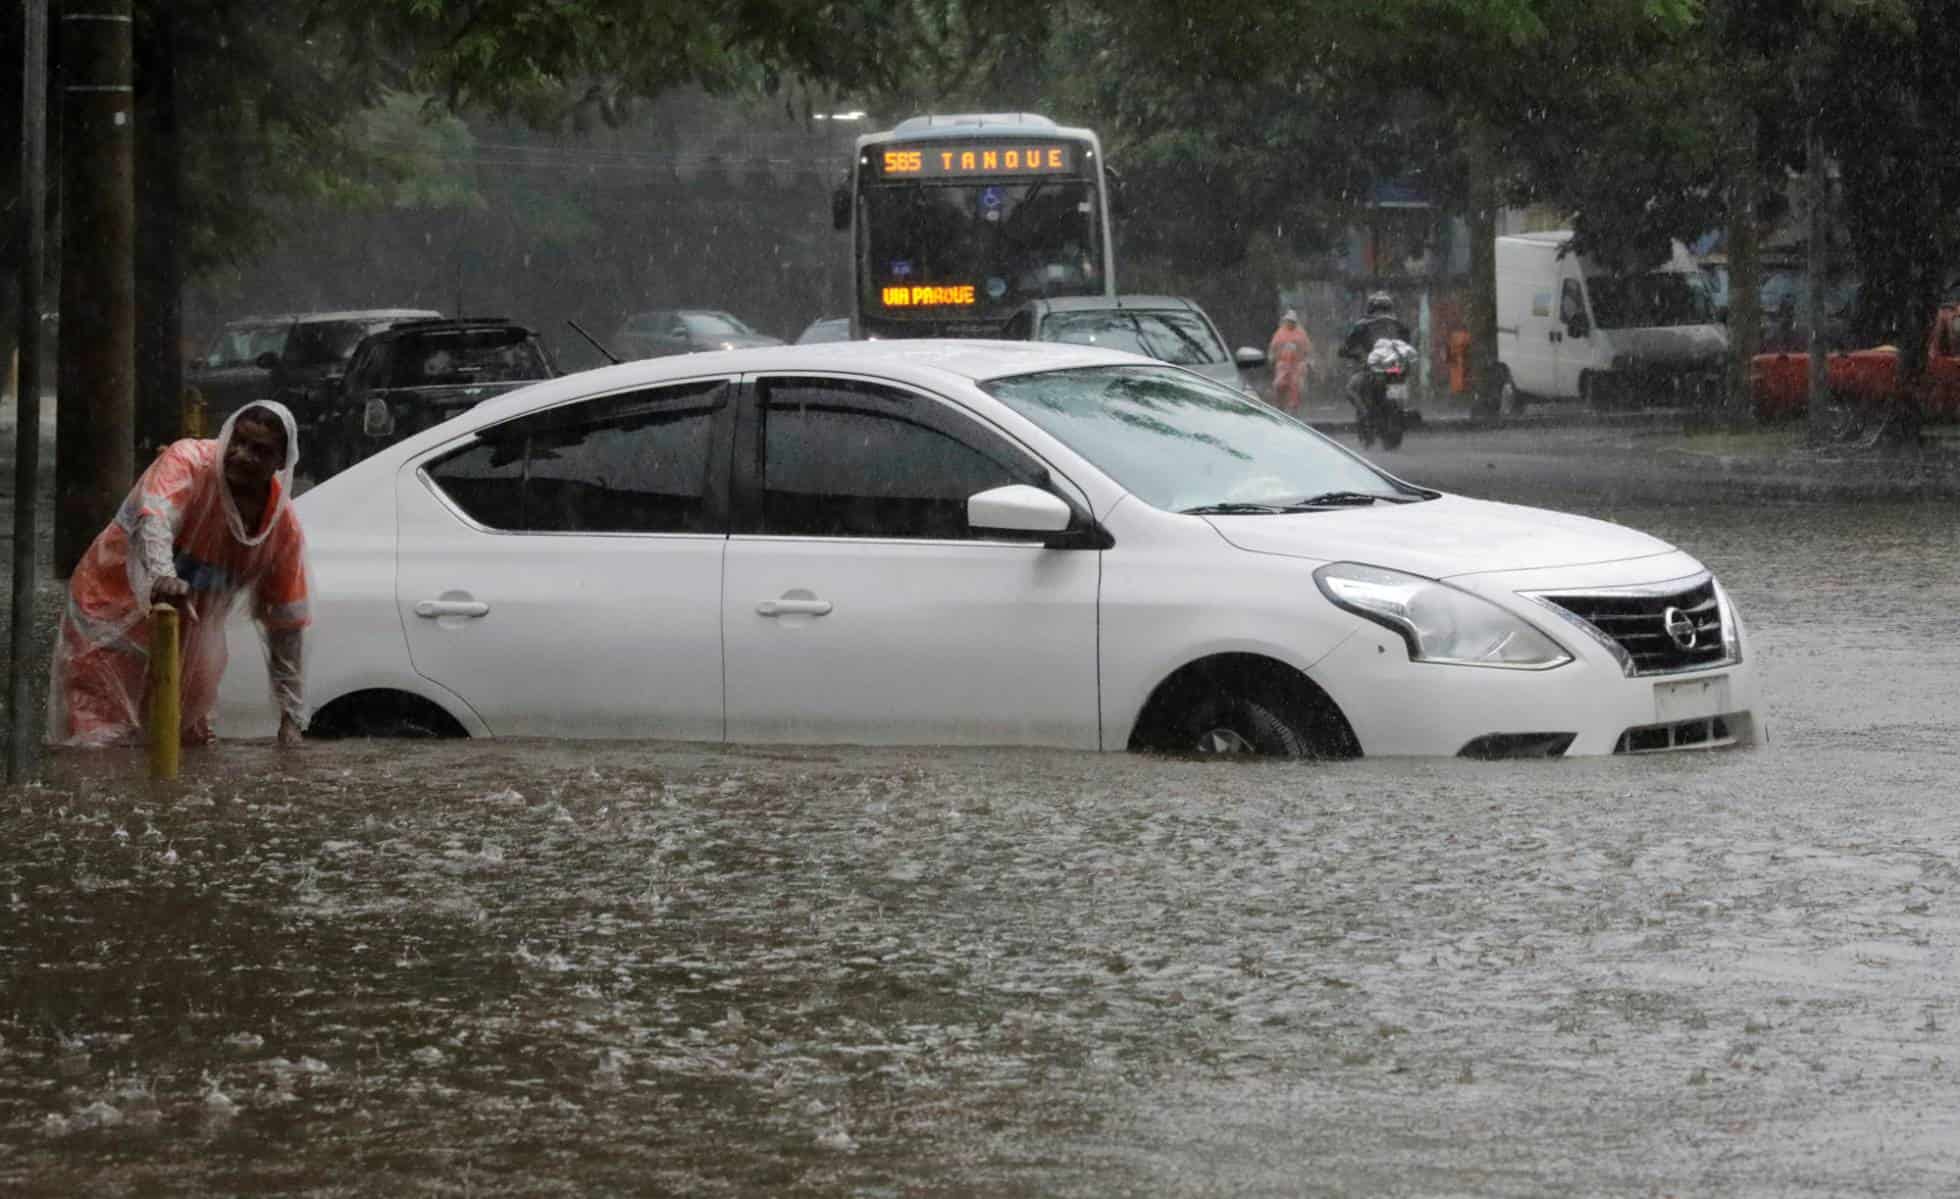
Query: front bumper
[1396, 706]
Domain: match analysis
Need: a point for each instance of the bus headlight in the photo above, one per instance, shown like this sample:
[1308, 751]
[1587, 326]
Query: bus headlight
[1438, 622]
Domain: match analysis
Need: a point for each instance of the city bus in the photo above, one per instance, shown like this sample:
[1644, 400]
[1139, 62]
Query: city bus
[956, 221]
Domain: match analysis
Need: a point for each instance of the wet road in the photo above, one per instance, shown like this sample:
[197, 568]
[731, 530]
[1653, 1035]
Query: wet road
[518, 968]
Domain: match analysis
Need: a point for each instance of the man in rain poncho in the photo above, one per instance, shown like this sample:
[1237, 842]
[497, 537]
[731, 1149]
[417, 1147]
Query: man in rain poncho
[209, 521]
[1291, 353]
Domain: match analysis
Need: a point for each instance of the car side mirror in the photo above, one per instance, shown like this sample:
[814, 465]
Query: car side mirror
[267, 361]
[1018, 508]
[840, 208]
[1249, 357]
[1578, 326]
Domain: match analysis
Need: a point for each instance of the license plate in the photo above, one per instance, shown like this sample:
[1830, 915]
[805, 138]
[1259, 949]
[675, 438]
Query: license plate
[1691, 699]
[1398, 392]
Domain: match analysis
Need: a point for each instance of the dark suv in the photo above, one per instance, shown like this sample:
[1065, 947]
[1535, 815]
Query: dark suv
[415, 374]
[306, 371]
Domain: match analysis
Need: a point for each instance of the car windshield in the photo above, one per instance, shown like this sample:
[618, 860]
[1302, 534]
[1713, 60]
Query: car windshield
[714, 324]
[1177, 337]
[463, 358]
[241, 345]
[1179, 441]
[1651, 300]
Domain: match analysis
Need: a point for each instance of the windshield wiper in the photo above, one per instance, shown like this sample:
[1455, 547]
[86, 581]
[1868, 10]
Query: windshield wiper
[1335, 499]
[1231, 508]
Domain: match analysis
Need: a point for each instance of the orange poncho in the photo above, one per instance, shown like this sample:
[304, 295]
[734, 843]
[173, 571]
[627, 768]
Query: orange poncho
[179, 522]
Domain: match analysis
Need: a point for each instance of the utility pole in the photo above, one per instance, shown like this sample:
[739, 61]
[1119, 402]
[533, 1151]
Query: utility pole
[96, 404]
[1818, 419]
[32, 216]
[159, 274]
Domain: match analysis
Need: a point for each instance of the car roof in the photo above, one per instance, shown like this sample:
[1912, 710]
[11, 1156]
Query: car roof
[921, 362]
[449, 324]
[1111, 303]
[366, 314]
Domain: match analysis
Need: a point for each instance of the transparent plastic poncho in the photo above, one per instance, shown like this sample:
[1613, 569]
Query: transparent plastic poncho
[180, 521]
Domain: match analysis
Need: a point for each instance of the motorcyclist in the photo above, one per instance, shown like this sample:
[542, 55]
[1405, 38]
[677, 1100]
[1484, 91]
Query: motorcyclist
[1379, 322]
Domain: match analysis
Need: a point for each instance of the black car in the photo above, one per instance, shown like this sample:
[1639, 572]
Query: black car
[306, 371]
[234, 371]
[411, 375]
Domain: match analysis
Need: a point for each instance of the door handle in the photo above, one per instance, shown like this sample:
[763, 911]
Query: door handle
[793, 607]
[435, 608]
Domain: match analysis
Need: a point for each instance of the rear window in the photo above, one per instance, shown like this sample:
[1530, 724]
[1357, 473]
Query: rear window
[466, 357]
[1178, 337]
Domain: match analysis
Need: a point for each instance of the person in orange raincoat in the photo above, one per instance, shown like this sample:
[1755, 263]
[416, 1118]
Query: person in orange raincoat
[1458, 355]
[210, 521]
[1291, 353]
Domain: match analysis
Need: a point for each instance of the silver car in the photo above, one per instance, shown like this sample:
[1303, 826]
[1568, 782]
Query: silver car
[1168, 328]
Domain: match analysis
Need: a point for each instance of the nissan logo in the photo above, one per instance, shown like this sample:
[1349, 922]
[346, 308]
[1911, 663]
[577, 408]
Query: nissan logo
[1680, 628]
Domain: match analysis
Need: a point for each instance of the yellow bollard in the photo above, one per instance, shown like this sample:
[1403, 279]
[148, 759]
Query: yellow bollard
[166, 699]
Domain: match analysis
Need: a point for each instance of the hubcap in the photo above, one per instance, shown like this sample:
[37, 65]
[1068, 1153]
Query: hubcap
[1223, 741]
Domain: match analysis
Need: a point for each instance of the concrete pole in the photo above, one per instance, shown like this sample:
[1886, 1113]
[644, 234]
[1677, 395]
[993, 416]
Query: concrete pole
[1818, 417]
[95, 450]
[27, 433]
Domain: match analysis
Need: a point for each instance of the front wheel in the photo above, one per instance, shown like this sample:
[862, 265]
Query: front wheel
[1232, 724]
[1509, 399]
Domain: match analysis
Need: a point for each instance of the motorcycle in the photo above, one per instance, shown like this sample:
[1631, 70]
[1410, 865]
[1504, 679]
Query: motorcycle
[1380, 393]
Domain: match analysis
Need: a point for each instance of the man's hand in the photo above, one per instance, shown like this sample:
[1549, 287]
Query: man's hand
[289, 734]
[165, 591]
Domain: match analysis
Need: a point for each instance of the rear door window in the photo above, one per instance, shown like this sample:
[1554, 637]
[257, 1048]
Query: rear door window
[641, 462]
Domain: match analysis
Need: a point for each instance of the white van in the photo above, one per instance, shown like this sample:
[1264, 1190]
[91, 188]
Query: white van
[1566, 330]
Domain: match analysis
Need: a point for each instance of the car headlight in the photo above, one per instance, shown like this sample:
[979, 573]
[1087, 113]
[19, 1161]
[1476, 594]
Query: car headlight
[1731, 626]
[1440, 623]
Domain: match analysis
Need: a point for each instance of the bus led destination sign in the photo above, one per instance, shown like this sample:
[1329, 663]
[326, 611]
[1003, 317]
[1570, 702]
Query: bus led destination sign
[920, 295]
[948, 160]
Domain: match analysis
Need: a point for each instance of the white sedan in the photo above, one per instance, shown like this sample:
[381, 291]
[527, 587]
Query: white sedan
[979, 543]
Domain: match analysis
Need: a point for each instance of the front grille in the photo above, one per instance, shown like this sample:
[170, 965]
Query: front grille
[1709, 733]
[1638, 622]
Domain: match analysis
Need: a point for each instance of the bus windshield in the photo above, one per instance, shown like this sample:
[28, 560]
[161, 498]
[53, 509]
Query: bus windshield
[978, 250]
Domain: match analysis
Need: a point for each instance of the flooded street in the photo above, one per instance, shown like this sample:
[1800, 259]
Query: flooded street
[521, 968]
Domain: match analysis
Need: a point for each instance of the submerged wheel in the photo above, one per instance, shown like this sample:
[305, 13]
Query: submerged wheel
[1229, 723]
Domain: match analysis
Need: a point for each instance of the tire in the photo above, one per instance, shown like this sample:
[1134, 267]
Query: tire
[1394, 423]
[1509, 399]
[1230, 724]
[1601, 393]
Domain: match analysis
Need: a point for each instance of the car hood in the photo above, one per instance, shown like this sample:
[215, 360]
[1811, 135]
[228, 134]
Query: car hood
[1441, 538]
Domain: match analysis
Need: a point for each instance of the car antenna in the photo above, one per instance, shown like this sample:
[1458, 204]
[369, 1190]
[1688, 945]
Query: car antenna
[610, 356]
